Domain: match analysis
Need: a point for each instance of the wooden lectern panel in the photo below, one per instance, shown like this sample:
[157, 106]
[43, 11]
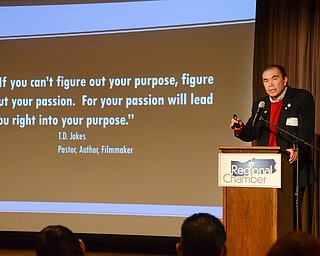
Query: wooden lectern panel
[255, 217]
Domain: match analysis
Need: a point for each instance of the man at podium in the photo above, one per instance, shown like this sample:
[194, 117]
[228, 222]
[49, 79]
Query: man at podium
[285, 111]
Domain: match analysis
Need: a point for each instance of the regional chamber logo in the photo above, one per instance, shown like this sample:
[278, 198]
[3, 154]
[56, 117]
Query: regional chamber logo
[253, 171]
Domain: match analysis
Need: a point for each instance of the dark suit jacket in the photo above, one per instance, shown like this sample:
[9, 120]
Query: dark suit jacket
[297, 117]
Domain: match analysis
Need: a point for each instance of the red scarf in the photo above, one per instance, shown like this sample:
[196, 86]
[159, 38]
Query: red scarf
[274, 119]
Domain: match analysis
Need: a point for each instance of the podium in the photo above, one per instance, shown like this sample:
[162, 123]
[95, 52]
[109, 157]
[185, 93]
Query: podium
[254, 217]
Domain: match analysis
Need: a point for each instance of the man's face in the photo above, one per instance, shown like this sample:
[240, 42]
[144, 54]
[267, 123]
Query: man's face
[273, 82]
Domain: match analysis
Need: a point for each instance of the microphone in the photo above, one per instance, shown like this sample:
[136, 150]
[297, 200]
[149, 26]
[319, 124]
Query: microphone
[258, 113]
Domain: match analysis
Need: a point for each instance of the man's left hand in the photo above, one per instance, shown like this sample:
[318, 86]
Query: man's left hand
[293, 155]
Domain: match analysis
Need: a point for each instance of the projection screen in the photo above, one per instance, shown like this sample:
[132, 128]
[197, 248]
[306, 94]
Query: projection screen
[111, 113]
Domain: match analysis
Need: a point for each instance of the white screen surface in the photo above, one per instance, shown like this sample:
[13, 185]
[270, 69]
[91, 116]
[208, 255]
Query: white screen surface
[113, 112]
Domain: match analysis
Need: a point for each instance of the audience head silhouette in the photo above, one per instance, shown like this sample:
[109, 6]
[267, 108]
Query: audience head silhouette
[57, 240]
[296, 243]
[202, 234]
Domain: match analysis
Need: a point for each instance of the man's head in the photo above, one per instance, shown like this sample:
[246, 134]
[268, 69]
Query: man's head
[296, 243]
[202, 234]
[275, 80]
[58, 240]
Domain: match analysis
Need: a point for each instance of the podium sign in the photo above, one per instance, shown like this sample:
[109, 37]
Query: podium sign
[249, 170]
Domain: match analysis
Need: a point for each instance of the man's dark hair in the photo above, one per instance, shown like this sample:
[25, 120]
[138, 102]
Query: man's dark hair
[279, 67]
[296, 243]
[202, 234]
[57, 241]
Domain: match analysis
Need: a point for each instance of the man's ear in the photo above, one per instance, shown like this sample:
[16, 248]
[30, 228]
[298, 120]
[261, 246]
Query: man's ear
[224, 251]
[82, 246]
[179, 249]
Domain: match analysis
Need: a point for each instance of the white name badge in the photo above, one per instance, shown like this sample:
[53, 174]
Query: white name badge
[292, 121]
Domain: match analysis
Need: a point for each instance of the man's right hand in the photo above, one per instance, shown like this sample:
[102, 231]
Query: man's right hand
[236, 124]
